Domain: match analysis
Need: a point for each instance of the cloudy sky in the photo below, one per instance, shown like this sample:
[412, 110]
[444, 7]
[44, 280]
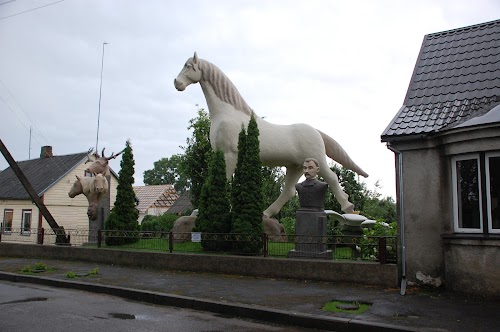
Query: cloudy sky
[340, 66]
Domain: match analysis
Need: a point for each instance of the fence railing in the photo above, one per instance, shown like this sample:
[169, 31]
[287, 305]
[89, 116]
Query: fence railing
[339, 247]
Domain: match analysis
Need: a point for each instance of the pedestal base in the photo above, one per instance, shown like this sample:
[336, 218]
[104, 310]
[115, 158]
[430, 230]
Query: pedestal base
[310, 227]
[310, 254]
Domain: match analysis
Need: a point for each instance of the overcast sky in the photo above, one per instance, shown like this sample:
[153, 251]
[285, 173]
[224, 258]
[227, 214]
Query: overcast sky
[340, 66]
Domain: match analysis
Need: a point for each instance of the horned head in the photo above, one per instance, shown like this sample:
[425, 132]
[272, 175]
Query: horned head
[76, 189]
[190, 73]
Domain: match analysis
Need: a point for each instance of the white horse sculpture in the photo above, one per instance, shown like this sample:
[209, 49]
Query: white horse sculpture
[280, 145]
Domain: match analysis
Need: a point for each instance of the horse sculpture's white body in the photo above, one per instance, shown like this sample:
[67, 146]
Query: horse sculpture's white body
[280, 145]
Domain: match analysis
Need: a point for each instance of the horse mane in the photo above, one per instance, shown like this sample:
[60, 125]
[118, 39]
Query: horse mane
[223, 87]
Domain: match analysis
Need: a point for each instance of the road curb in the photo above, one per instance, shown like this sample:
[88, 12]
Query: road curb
[230, 309]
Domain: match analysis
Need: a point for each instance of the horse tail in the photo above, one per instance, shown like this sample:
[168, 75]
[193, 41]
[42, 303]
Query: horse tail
[337, 153]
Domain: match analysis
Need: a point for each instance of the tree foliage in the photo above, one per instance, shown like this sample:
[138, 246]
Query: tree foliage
[124, 215]
[214, 206]
[161, 223]
[197, 153]
[247, 191]
[168, 171]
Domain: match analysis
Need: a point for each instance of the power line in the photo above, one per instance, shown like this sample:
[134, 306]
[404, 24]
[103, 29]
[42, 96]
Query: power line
[30, 10]
[6, 2]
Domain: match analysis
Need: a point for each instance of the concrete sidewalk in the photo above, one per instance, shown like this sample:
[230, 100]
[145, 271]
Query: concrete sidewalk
[294, 302]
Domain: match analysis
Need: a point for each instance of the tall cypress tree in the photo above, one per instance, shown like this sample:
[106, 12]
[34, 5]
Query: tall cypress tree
[124, 215]
[247, 192]
[214, 205]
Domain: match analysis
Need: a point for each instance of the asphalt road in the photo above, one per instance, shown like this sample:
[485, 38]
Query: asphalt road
[26, 307]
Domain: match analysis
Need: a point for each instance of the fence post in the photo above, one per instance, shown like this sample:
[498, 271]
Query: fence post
[40, 235]
[99, 238]
[382, 250]
[264, 244]
[170, 241]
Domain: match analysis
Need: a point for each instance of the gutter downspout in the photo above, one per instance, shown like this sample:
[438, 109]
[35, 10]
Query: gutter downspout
[401, 216]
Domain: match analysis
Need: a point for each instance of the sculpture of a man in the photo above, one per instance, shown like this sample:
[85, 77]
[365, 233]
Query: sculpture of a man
[311, 190]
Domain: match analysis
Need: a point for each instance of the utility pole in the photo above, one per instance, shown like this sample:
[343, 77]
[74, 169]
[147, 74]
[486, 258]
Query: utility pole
[100, 95]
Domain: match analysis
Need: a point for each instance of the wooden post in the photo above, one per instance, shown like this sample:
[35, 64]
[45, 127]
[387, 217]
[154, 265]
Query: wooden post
[62, 239]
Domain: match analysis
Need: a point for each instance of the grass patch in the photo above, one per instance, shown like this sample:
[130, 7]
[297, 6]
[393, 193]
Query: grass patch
[336, 306]
[73, 275]
[37, 268]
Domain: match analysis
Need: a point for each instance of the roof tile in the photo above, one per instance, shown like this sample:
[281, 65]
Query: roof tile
[460, 67]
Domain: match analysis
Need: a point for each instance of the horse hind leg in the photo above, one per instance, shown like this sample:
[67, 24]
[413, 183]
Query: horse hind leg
[333, 181]
[291, 178]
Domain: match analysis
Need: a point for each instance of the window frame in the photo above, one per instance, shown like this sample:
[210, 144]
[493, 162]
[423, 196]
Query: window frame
[456, 216]
[4, 228]
[23, 228]
[487, 157]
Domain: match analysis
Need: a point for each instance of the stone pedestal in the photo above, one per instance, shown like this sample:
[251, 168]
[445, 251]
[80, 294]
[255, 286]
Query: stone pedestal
[310, 227]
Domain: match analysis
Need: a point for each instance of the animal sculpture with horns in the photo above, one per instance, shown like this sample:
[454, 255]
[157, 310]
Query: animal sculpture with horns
[94, 188]
[280, 145]
[100, 164]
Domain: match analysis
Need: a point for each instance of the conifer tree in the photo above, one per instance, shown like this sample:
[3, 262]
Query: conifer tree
[247, 191]
[214, 206]
[124, 214]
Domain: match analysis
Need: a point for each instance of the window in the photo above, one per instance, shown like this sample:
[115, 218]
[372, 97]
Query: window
[493, 191]
[476, 188]
[7, 220]
[26, 222]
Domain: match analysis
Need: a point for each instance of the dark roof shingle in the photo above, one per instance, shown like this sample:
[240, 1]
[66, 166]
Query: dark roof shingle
[42, 173]
[456, 77]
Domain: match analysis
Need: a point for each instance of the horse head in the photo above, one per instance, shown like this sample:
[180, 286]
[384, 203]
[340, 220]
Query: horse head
[76, 189]
[100, 183]
[190, 73]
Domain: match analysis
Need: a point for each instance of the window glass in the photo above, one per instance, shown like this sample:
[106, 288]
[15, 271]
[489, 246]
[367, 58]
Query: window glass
[468, 194]
[26, 222]
[493, 187]
[7, 220]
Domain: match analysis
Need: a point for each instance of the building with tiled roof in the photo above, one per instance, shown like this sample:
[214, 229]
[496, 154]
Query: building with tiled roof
[182, 206]
[51, 177]
[154, 200]
[446, 139]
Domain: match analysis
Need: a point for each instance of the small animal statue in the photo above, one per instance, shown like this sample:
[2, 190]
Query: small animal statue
[280, 145]
[100, 164]
[94, 188]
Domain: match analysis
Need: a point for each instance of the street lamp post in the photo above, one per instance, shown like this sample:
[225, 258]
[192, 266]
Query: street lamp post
[100, 95]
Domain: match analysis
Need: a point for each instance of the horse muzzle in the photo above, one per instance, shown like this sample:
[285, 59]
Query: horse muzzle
[180, 86]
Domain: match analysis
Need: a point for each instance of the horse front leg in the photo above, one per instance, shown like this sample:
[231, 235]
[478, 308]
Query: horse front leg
[333, 181]
[291, 178]
[231, 159]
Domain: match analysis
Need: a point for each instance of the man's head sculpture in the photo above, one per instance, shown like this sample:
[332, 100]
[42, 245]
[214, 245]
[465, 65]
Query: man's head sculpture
[94, 188]
[100, 164]
[311, 168]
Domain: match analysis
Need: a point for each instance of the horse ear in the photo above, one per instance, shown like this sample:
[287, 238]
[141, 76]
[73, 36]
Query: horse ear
[195, 58]
[77, 177]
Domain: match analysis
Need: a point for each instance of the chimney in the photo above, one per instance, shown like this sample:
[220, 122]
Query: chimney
[46, 152]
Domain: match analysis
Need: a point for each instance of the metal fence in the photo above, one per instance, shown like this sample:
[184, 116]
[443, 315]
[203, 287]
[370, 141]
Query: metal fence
[382, 249]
